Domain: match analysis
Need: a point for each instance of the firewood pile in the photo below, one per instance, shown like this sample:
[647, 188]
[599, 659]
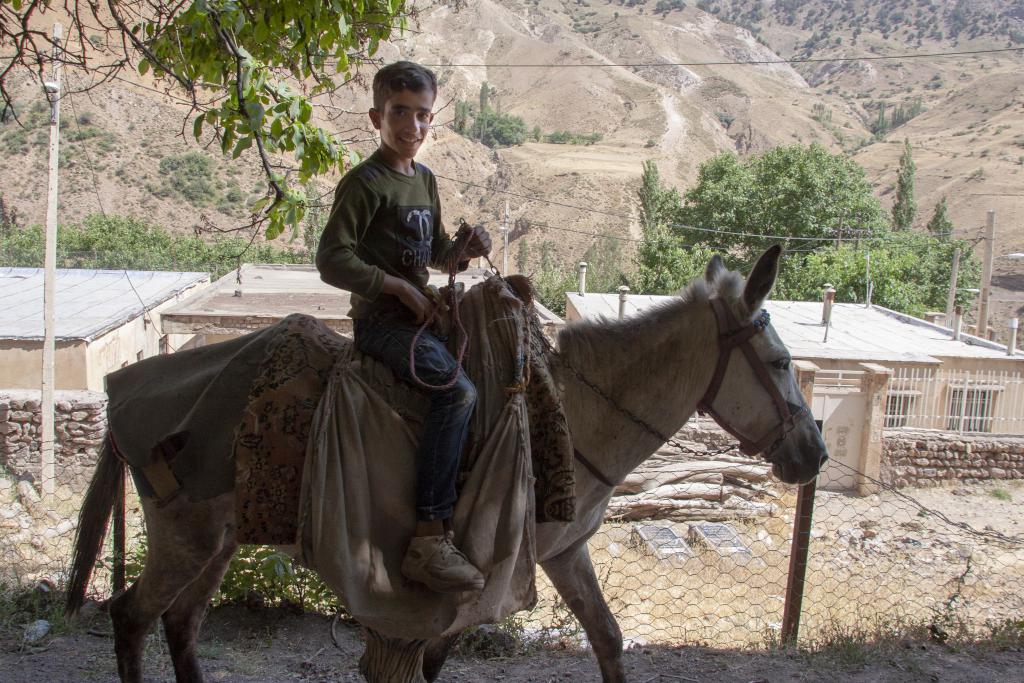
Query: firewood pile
[678, 487]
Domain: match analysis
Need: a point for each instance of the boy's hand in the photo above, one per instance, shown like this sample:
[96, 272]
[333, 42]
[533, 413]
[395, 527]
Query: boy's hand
[411, 297]
[479, 243]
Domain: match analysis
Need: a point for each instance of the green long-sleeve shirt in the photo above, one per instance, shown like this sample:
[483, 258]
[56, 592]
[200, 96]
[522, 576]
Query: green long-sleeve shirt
[382, 222]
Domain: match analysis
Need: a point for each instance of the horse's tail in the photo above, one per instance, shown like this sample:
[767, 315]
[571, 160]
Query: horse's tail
[92, 523]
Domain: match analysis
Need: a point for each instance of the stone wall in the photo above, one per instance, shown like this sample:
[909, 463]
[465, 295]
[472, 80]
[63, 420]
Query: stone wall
[80, 424]
[933, 458]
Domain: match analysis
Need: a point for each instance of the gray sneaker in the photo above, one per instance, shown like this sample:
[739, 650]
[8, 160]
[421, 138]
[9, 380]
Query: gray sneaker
[436, 562]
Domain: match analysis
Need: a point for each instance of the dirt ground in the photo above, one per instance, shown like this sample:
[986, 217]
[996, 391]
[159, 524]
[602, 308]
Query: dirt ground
[240, 645]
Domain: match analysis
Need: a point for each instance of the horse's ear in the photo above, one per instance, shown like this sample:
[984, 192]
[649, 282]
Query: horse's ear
[761, 279]
[716, 266]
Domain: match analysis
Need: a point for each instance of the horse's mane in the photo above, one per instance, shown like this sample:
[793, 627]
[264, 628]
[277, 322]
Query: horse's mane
[583, 338]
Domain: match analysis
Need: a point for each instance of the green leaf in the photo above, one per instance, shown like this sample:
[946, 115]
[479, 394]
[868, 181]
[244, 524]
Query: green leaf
[243, 144]
[143, 66]
[197, 127]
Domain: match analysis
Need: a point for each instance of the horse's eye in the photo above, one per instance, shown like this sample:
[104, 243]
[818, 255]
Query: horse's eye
[782, 364]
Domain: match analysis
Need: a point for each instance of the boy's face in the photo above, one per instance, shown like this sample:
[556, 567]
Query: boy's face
[404, 122]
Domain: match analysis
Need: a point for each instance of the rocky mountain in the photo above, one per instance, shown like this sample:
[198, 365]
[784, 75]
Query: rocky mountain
[639, 80]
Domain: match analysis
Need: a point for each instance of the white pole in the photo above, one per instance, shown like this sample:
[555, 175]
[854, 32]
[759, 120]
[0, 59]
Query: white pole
[986, 274]
[47, 472]
[869, 286]
[951, 297]
[504, 239]
[623, 295]
[583, 277]
[1011, 343]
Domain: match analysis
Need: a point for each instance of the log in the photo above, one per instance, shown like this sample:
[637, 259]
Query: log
[643, 480]
[682, 510]
[676, 492]
[646, 478]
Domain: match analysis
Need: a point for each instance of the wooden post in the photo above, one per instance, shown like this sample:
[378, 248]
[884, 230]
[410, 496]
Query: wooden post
[798, 560]
[951, 297]
[47, 469]
[986, 275]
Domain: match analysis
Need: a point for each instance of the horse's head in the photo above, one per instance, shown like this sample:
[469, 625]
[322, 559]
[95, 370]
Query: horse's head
[754, 393]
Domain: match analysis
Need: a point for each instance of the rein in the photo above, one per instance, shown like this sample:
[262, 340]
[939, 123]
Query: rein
[461, 245]
[730, 336]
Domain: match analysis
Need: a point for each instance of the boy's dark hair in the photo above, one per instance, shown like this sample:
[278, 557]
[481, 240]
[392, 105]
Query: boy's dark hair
[401, 76]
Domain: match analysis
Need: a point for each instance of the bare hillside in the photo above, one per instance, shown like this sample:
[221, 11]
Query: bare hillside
[123, 146]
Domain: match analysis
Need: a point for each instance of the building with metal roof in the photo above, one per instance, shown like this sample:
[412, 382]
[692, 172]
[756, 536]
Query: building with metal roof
[856, 333]
[870, 369]
[259, 295]
[105, 319]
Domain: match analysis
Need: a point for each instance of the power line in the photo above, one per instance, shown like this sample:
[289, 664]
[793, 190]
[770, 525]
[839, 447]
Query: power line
[682, 226]
[751, 62]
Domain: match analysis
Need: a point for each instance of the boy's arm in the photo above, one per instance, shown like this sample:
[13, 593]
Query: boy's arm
[336, 259]
[442, 245]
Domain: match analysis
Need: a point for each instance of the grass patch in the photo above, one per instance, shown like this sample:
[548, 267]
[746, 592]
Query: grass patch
[22, 605]
[1001, 494]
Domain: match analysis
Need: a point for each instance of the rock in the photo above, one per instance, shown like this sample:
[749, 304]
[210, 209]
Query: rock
[36, 631]
[29, 496]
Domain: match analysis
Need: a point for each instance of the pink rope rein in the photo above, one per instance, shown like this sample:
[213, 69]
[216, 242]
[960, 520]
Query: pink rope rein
[462, 240]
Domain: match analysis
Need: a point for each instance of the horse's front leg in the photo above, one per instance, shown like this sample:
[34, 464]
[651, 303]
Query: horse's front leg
[573, 575]
[435, 655]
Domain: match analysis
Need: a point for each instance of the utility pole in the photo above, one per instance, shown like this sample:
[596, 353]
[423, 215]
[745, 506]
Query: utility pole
[986, 274]
[951, 297]
[504, 242]
[869, 286]
[47, 473]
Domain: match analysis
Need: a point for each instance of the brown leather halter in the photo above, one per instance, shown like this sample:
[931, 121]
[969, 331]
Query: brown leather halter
[731, 334]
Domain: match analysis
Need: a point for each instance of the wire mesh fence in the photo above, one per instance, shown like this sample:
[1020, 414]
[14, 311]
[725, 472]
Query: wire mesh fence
[693, 549]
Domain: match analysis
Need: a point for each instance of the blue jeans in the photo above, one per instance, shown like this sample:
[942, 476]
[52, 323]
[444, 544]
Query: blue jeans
[447, 420]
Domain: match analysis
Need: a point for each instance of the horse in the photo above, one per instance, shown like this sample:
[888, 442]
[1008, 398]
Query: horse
[626, 387]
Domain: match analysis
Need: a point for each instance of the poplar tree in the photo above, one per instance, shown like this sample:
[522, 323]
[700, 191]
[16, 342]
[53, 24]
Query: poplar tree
[905, 208]
[940, 224]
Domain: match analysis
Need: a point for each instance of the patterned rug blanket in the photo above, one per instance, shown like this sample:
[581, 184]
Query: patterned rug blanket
[505, 355]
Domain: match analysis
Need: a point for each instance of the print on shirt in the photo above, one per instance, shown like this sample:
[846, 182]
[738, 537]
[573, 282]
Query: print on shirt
[415, 235]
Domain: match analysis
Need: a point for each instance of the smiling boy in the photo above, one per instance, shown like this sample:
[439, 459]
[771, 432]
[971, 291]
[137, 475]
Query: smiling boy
[383, 231]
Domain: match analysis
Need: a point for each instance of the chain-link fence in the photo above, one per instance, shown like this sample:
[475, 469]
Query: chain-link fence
[699, 549]
[696, 547]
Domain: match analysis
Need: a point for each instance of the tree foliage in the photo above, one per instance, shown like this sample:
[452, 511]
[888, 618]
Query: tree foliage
[910, 273]
[940, 223]
[905, 208]
[484, 123]
[249, 70]
[120, 242]
[739, 207]
[799, 191]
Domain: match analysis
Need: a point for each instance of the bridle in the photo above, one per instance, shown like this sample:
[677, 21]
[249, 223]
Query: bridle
[732, 335]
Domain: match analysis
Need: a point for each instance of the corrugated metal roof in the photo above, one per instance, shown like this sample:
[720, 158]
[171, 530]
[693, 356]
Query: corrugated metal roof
[88, 302]
[856, 333]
